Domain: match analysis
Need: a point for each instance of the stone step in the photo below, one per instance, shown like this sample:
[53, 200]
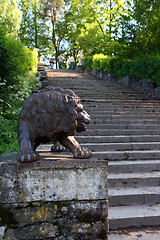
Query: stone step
[133, 180]
[95, 147]
[127, 155]
[86, 91]
[138, 166]
[89, 90]
[111, 90]
[107, 96]
[121, 117]
[122, 146]
[138, 216]
[116, 111]
[125, 132]
[124, 121]
[134, 196]
[94, 125]
[135, 102]
[119, 103]
[118, 139]
[117, 155]
[123, 108]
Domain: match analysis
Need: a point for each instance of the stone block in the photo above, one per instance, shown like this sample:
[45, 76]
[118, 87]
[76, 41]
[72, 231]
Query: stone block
[80, 68]
[102, 74]
[94, 72]
[43, 84]
[98, 73]
[111, 77]
[88, 70]
[157, 92]
[145, 85]
[54, 198]
[126, 81]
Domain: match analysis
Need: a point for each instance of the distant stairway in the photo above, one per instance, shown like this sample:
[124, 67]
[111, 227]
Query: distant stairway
[125, 131]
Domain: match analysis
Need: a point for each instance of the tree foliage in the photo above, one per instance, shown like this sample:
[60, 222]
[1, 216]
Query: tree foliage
[34, 31]
[10, 16]
[147, 16]
[123, 28]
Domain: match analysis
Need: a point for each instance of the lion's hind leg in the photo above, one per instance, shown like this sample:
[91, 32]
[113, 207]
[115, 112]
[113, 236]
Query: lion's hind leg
[26, 152]
[57, 147]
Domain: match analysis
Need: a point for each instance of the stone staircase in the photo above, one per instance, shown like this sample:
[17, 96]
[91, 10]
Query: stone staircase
[125, 132]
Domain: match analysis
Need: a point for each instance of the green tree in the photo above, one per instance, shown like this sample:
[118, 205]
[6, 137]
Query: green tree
[94, 24]
[147, 16]
[53, 10]
[10, 16]
[34, 31]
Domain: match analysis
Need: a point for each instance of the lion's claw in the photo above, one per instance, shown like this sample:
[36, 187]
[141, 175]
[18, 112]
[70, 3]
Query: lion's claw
[27, 156]
[58, 149]
[82, 153]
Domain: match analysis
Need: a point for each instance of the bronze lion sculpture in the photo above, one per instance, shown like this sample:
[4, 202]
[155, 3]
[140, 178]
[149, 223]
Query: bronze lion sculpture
[51, 115]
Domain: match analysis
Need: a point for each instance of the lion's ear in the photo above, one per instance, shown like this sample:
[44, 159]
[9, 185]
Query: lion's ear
[65, 99]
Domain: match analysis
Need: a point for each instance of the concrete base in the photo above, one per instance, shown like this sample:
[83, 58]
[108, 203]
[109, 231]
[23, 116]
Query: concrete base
[58, 197]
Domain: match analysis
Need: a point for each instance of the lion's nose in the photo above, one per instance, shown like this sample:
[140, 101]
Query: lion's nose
[84, 117]
[87, 118]
[80, 108]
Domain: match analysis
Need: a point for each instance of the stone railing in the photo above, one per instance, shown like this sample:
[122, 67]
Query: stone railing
[42, 75]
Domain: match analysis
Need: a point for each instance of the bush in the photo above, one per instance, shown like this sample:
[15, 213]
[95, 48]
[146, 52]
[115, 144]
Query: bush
[105, 64]
[97, 61]
[147, 67]
[144, 67]
[16, 60]
[88, 62]
[9, 114]
[120, 67]
[8, 135]
[18, 66]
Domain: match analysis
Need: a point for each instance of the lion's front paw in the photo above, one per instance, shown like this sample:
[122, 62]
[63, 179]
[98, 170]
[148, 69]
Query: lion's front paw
[82, 153]
[27, 156]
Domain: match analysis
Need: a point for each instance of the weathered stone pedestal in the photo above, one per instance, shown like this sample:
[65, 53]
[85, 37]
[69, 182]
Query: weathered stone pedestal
[57, 197]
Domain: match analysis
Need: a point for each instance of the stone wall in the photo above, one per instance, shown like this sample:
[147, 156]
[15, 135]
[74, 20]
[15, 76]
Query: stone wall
[144, 85]
[53, 199]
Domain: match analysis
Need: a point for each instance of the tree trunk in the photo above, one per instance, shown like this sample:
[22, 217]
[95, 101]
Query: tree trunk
[54, 35]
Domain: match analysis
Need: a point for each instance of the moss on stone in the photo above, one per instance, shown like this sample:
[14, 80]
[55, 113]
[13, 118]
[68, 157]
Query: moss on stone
[6, 217]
